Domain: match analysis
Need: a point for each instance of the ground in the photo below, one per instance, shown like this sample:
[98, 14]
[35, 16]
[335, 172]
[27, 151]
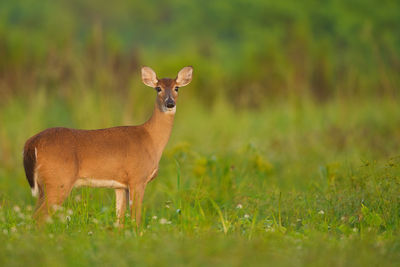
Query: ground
[292, 184]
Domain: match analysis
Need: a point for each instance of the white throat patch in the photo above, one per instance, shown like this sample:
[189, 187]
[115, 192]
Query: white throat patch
[168, 110]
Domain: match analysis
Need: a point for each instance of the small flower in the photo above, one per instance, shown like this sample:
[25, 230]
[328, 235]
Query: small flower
[77, 198]
[178, 211]
[70, 212]
[164, 221]
[68, 218]
[56, 208]
[355, 230]
[154, 217]
[246, 216]
[95, 221]
[167, 206]
[90, 233]
[239, 206]
[17, 208]
[13, 229]
[321, 212]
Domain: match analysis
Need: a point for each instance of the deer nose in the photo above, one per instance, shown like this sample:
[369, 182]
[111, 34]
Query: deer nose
[170, 103]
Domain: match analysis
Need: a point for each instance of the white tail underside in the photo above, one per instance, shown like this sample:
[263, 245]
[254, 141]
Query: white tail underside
[35, 189]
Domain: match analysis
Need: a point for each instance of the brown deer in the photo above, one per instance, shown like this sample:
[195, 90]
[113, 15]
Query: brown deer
[125, 158]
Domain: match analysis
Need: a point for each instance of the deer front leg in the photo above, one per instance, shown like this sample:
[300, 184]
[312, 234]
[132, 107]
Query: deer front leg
[136, 194]
[120, 204]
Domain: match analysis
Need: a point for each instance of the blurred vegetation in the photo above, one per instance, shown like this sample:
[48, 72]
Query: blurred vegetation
[285, 148]
[249, 51]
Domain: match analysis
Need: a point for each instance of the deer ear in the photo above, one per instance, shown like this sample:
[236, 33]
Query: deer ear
[184, 76]
[149, 77]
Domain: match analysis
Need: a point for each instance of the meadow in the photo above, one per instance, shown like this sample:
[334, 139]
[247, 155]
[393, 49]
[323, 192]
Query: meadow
[296, 183]
[285, 149]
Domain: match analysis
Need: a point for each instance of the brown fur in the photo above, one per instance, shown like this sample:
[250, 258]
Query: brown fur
[128, 155]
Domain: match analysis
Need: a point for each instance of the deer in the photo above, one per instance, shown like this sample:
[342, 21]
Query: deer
[124, 158]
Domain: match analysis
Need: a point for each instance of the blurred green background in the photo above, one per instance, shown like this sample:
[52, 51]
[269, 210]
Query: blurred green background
[248, 52]
[285, 148]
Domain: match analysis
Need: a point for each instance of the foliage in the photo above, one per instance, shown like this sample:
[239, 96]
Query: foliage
[247, 51]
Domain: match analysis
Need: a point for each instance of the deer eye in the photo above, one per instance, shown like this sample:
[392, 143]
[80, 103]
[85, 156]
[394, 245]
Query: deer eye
[176, 89]
[158, 89]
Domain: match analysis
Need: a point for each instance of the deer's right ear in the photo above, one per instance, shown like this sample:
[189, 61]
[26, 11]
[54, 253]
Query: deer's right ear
[149, 77]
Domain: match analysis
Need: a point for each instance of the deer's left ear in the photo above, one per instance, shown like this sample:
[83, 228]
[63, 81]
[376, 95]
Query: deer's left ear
[184, 76]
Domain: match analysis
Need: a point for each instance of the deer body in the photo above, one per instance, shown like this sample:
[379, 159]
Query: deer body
[125, 158]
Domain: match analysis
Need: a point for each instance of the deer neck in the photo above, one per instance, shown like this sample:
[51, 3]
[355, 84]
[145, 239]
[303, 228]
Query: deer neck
[159, 127]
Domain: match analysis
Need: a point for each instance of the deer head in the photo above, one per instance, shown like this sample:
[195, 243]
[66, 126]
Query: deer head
[166, 88]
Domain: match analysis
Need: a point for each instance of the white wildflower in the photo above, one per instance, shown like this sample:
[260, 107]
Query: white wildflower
[321, 212]
[17, 208]
[77, 198]
[239, 206]
[164, 221]
[56, 208]
[13, 229]
[154, 217]
[70, 212]
[90, 233]
[246, 216]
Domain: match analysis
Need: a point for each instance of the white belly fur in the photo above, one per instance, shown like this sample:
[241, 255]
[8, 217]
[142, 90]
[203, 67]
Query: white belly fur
[99, 183]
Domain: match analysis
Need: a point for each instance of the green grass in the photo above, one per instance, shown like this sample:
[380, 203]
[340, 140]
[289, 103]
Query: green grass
[292, 184]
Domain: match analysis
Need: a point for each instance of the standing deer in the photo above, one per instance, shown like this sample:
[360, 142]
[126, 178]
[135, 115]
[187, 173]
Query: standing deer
[125, 158]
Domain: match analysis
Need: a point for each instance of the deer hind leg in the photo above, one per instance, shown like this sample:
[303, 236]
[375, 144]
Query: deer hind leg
[40, 199]
[121, 198]
[136, 194]
[50, 195]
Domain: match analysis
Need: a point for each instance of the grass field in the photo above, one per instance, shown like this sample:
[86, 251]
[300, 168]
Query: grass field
[292, 184]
